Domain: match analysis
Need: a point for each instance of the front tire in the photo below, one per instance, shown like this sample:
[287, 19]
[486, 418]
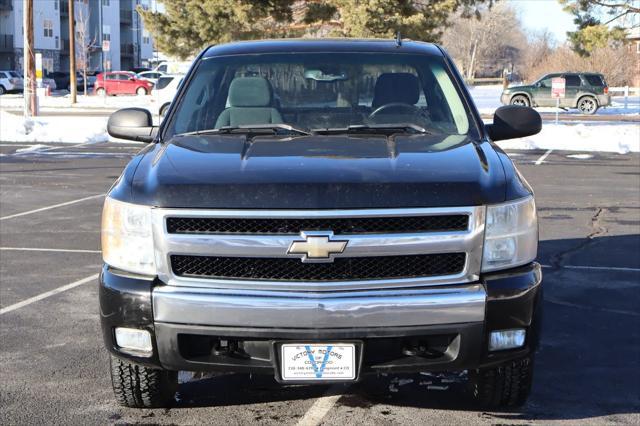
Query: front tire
[2, 90]
[141, 91]
[507, 385]
[101, 92]
[587, 105]
[520, 100]
[164, 109]
[137, 386]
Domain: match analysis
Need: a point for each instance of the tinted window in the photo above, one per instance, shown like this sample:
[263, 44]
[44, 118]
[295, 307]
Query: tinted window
[123, 77]
[163, 82]
[317, 91]
[572, 81]
[3, 75]
[595, 80]
[14, 74]
[111, 77]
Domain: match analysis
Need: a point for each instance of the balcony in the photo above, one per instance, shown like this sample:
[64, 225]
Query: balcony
[126, 16]
[6, 42]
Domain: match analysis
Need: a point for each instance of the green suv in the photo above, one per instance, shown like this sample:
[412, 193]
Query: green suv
[585, 91]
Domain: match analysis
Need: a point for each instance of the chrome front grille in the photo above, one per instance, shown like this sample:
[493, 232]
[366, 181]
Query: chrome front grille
[341, 269]
[338, 225]
[387, 248]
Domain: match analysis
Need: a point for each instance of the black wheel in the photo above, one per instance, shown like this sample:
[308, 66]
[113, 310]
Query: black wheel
[163, 109]
[587, 105]
[101, 91]
[137, 386]
[507, 385]
[520, 100]
[141, 91]
[2, 90]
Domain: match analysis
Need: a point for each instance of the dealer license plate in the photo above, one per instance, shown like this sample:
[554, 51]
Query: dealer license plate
[312, 361]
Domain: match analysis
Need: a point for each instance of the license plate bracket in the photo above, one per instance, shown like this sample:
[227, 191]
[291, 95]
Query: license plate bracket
[309, 362]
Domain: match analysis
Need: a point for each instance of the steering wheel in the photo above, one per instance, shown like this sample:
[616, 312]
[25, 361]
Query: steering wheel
[412, 109]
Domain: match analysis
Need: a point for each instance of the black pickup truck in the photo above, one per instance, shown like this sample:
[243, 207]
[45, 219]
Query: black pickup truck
[318, 210]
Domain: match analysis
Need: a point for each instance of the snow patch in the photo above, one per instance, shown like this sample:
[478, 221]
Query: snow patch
[32, 148]
[620, 138]
[66, 129]
[580, 156]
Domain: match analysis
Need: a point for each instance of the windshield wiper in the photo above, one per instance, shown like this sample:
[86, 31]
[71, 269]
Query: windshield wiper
[248, 128]
[384, 127]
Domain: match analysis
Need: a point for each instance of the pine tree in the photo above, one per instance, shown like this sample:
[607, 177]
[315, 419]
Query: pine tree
[600, 22]
[187, 26]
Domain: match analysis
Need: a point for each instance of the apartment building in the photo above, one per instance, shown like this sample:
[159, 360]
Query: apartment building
[117, 22]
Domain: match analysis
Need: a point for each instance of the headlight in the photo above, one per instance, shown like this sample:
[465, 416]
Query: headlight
[511, 235]
[127, 240]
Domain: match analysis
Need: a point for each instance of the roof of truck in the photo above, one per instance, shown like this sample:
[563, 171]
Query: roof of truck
[322, 45]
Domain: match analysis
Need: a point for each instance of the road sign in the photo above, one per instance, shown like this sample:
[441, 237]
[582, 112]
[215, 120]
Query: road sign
[39, 69]
[557, 87]
[105, 45]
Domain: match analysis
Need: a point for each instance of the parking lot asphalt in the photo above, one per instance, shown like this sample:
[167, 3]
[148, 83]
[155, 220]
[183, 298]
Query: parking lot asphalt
[54, 369]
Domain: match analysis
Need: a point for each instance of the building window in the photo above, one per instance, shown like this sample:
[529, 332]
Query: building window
[106, 2]
[48, 28]
[55, 4]
[145, 37]
[638, 46]
[57, 42]
[106, 33]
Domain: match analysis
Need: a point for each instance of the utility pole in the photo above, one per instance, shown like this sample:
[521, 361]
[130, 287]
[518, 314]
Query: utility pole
[30, 109]
[72, 52]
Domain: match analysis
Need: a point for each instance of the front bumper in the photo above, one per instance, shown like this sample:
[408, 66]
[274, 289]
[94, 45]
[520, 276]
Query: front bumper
[451, 322]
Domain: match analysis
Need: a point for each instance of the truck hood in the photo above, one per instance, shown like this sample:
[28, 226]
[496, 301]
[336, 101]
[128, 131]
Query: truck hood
[318, 172]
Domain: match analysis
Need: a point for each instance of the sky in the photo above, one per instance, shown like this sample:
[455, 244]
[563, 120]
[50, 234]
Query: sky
[536, 15]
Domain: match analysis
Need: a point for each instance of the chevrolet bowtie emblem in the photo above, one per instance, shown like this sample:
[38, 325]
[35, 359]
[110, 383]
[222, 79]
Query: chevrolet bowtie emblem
[317, 246]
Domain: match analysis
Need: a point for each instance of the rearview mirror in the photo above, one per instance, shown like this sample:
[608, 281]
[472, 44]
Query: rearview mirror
[319, 75]
[513, 121]
[134, 124]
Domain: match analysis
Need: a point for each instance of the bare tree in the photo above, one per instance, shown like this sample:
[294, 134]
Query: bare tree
[540, 47]
[616, 62]
[485, 44]
[84, 42]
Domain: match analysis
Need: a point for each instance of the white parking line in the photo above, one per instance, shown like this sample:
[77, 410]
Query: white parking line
[321, 407]
[46, 294]
[596, 268]
[52, 207]
[543, 157]
[48, 250]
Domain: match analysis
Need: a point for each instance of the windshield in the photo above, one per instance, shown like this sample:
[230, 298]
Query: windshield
[322, 92]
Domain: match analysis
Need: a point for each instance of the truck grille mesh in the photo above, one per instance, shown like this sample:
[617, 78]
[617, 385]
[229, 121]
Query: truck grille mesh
[342, 225]
[342, 269]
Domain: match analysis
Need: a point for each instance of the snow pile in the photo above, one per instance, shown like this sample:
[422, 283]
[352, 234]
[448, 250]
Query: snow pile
[70, 129]
[620, 138]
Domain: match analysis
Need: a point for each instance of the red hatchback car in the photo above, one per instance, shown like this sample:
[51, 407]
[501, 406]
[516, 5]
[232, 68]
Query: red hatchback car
[120, 83]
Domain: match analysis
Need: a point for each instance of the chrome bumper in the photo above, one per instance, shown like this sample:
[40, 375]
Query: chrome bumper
[216, 307]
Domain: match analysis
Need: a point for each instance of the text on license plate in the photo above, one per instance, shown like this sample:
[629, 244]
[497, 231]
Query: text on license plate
[312, 361]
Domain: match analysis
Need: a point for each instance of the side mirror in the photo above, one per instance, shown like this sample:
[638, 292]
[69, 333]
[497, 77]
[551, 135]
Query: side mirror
[513, 121]
[132, 78]
[134, 124]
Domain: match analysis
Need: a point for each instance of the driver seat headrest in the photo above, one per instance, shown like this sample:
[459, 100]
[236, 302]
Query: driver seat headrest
[250, 92]
[399, 87]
